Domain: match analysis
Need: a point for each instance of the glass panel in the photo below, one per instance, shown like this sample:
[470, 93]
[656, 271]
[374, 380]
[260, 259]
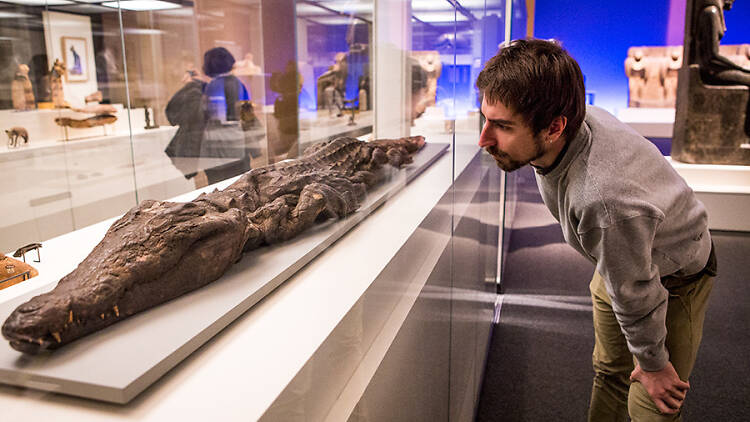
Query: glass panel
[334, 58]
[183, 97]
[63, 86]
[197, 91]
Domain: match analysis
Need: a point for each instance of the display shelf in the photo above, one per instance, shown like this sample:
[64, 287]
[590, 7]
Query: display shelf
[44, 132]
[649, 122]
[723, 189]
[189, 320]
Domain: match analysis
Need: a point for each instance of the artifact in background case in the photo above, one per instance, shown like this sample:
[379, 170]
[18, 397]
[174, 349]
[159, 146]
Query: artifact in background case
[22, 93]
[13, 271]
[430, 62]
[98, 120]
[21, 252]
[160, 250]
[55, 84]
[712, 119]
[14, 133]
[94, 97]
[635, 70]
[147, 116]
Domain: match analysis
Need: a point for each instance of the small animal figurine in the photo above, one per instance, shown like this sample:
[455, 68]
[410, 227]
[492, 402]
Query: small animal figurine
[94, 97]
[22, 93]
[14, 133]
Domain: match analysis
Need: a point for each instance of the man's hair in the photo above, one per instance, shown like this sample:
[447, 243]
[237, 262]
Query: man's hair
[538, 80]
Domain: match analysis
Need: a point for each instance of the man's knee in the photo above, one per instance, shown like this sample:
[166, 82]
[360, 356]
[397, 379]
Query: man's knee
[642, 409]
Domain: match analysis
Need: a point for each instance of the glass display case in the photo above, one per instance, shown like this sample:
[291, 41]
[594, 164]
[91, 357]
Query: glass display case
[129, 116]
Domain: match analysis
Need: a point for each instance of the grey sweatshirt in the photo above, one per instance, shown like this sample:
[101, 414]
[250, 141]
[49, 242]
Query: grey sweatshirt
[624, 207]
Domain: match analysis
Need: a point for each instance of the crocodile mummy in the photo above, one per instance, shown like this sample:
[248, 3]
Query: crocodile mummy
[160, 250]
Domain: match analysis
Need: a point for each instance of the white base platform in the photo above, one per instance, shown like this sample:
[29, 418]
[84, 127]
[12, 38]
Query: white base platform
[723, 189]
[649, 122]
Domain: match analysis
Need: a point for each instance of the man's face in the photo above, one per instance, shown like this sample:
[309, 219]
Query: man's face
[507, 138]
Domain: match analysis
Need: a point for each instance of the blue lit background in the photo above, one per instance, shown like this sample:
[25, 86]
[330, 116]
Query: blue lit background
[598, 35]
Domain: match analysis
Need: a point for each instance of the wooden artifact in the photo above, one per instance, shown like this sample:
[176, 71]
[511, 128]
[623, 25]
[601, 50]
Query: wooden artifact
[22, 93]
[99, 120]
[55, 84]
[14, 133]
[160, 250]
[13, 271]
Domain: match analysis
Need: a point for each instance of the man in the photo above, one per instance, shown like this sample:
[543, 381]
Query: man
[621, 205]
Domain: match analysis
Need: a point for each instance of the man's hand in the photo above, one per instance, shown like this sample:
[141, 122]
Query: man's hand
[665, 387]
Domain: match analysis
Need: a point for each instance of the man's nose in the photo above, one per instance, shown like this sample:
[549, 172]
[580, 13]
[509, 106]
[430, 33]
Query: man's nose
[485, 140]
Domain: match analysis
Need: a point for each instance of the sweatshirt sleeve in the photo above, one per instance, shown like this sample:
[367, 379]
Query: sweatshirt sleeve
[622, 253]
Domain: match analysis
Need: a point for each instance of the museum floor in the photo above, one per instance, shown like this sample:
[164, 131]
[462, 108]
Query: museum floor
[539, 364]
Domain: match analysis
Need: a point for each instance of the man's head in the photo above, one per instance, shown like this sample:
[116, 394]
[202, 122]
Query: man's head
[533, 99]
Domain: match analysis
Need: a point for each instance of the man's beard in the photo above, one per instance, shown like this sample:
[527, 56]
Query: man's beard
[505, 162]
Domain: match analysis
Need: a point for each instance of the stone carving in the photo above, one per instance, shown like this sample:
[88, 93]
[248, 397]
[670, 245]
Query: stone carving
[635, 70]
[22, 93]
[713, 99]
[652, 73]
[14, 133]
[430, 62]
[670, 74]
[160, 250]
[99, 120]
[55, 84]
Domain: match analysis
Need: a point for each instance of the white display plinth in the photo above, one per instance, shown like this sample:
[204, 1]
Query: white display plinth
[43, 131]
[649, 122]
[723, 189]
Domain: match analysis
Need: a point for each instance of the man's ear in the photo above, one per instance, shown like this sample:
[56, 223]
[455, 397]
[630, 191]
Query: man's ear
[556, 128]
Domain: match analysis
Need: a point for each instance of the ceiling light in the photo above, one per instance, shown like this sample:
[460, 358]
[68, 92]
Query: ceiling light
[141, 5]
[13, 15]
[39, 2]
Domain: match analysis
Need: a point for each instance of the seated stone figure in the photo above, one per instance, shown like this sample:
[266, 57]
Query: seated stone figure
[715, 69]
[713, 100]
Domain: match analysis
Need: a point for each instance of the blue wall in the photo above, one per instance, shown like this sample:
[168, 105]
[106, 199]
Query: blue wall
[598, 35]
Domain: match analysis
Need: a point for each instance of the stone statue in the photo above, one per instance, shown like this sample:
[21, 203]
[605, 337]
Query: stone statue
[670, 71]
[715, 69]
[713, 96]
[430, 62]
[653, 94]
[22, 93]
[635, 70]
[98, 120]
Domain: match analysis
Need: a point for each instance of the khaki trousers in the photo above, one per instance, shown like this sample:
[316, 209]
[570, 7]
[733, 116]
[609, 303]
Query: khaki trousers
[613, 397]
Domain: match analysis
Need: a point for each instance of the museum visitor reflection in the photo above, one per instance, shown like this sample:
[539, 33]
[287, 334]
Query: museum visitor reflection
[217, 135]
